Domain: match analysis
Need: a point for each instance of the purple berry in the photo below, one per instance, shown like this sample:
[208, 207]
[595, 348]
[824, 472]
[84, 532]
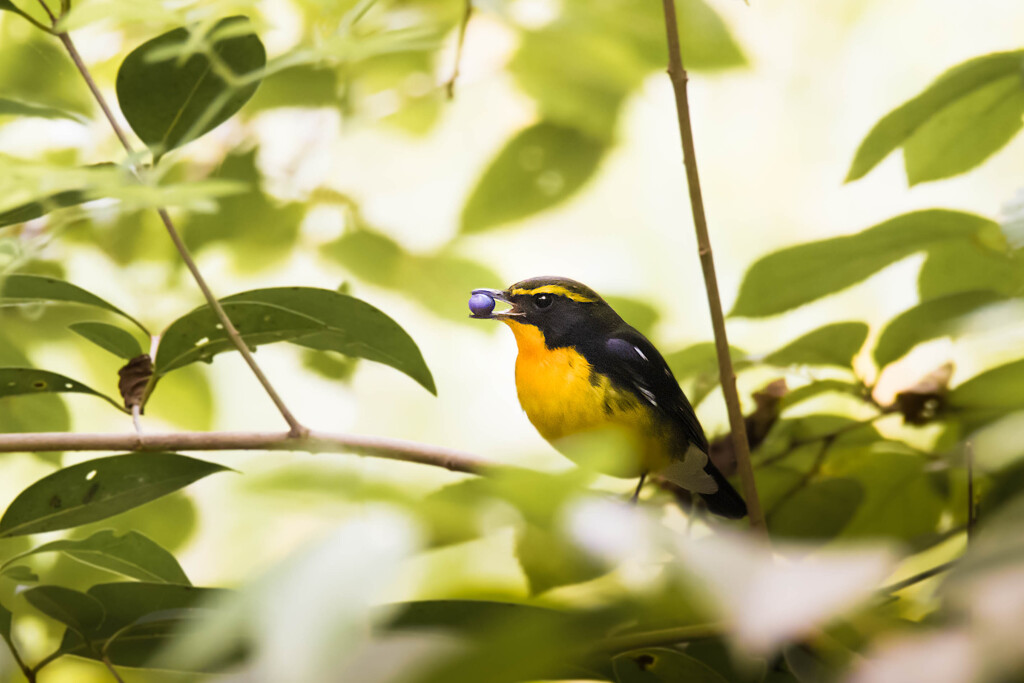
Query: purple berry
[481, 305]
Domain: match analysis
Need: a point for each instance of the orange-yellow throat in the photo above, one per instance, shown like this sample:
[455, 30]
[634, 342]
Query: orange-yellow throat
[563, 397]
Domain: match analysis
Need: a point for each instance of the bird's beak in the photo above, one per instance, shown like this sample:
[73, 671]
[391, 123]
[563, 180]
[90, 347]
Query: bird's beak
[501, 296]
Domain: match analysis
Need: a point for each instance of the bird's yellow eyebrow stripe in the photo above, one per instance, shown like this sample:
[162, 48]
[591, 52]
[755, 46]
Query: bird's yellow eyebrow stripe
[554, 289]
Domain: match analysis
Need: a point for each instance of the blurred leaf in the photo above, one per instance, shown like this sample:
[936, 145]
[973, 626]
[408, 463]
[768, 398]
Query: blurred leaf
[928, 320]
[1001, 388]
[953, 125]
[308, 85]
[109, 337]
[130, 606]
[377, 259]
[132, 554]
[821, 386]
[954, 268]
[170, 521]
[200, 336]
[7, 5]
[259, 230]
[9, 107]
[797, 275]
[899, 498]
[172, 98]
[100, 488]
[78, 611]
[22, 60]
[818, 510]
[5, 627]
[19, 288]
[697, 366]
[540, 167]
[639, 314]
[20, 573]
[549, 560]
[834, 344]
[185, 399]
[662, 665]
[20, 381]
[350, 326]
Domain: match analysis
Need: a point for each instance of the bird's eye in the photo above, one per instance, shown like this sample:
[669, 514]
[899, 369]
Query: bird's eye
[543, 300]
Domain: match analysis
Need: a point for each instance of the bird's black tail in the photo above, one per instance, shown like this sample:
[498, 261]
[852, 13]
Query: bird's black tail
[725, 502]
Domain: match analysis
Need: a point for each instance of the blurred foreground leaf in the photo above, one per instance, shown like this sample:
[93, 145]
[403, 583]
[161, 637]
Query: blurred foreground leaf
[540, 167]
[818, 510]
[962, 118]
[100, 488]
[78, 611]
[800, 274]
[171, 96]
[9, 107]
[834, 344]
[662, 665]
[550, 560]
[131, 554]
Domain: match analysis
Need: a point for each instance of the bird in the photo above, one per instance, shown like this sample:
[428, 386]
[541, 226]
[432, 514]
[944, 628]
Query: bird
[582, 370]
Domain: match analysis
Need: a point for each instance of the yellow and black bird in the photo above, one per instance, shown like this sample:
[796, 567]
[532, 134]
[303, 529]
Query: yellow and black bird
[582, 369]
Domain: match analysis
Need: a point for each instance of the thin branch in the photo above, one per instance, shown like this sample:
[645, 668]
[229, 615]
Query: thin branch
[665, 636]
[110, 666]
[677, 75]
[467, 10]
[295, 427]
[971, 508]
[311, 442]
[25, 668]
[916, 578]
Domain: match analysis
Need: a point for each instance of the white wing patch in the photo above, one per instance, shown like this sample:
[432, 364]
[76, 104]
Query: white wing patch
[639, 352]
[649, 395]
[689, 472]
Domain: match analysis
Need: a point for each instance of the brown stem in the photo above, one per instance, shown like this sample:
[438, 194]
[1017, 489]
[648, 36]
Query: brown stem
[917, 578]
[678, 76]
[295, 427]
[312, 442]
[466, 12]
[661, 637]
[110, 667]
[971, 509]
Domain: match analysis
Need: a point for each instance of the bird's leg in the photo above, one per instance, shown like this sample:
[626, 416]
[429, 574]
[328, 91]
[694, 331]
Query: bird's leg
[640, 485]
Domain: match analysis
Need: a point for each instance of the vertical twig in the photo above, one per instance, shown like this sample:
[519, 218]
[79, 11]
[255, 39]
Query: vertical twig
[466, 12]
[971, 510]
[295, 427]
[678, 76]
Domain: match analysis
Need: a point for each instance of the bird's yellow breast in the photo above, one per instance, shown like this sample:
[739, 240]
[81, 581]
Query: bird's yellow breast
[563, 397]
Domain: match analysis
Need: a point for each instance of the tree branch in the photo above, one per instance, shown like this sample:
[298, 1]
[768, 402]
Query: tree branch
[467, 10]
[295, 427]
[678, 76]
[311, 442]
[665, 636]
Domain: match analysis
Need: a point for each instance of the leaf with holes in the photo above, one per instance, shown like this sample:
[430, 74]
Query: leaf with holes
[22, 381]
[349, 326]
[540, 167]
[798, 275]
[834, 344]
[199, 335]
[132, 554]
[662, 665]
[961, 119]
[171, 96]
[100, 488]
[109, 337]
[78, 611]
[19, 288]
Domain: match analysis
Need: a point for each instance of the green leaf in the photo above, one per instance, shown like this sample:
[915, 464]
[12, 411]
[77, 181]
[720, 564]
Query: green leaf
[639, 314]
[109, 337]
[18, 288]
[953, 125]
[141, 618]
[955, 267]
[100, 488]
[171, 96]
[820, 387]
[1001, 389]
[260, 231]
[131, 554]
[927, 320]
[549, 560]
[200, 336]
[5, 626]
[696, 368]
[834, 344]
[21, 381]
[23, 59]
[78, 611]
[819, 510]
[12, 107]
[350, 326]
[797, 275]
[662, 665]
[41, 207]
[20, 573]
[540, 167]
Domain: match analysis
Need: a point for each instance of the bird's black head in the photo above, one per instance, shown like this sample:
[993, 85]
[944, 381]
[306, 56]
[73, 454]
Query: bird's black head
[564, 310]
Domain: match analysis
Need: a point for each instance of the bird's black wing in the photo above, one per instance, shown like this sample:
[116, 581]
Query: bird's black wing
[632, 363]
